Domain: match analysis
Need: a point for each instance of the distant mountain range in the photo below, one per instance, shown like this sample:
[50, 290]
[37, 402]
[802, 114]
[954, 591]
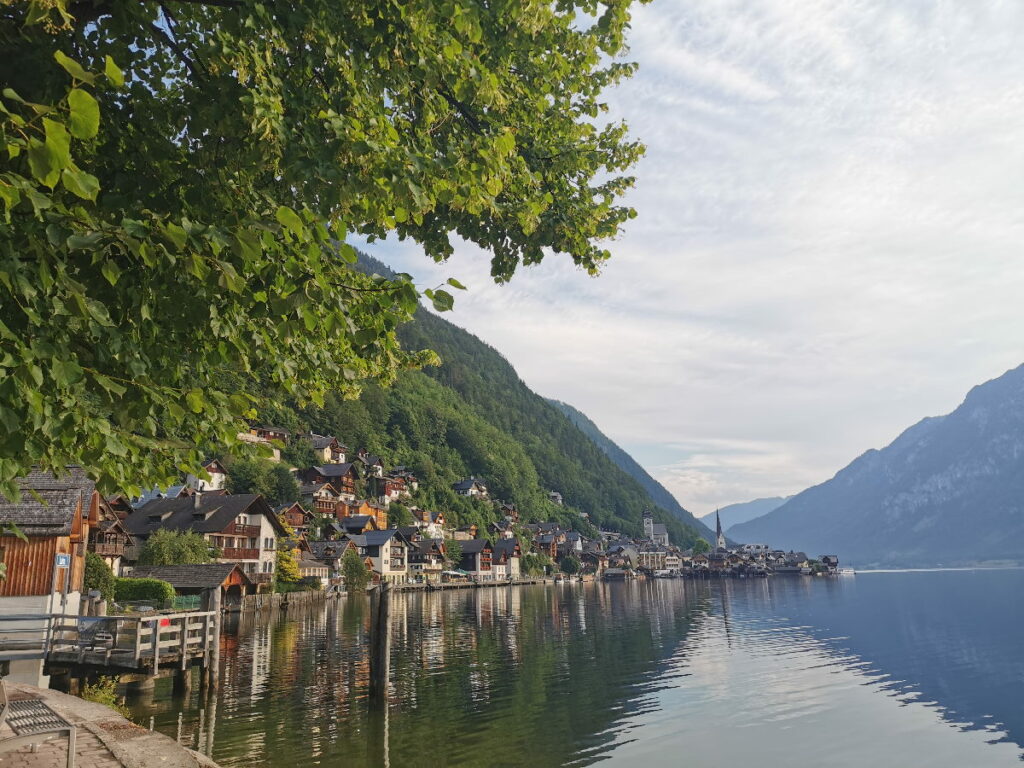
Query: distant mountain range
[628, 464]
[948, 491]
[734, 514]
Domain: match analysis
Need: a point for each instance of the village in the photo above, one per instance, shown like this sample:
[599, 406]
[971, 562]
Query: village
[245, 534]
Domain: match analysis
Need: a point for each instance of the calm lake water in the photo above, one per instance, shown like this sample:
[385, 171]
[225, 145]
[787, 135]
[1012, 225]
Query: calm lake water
[880, 669]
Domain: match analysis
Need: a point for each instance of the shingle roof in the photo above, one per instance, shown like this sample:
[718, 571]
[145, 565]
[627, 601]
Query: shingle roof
[334, 470]
[473, 546]
[213, 514]
[196, 576]
[61, 497]
[172, 492]
[320, 441]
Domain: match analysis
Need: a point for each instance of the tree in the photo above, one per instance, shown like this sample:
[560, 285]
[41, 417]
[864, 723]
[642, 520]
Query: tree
[452, 552]
[354, 571]
[535, 563]
[701, 546]
[399, 515]
[167, 547]
[299, 453]
[271, 479]
[570, 565]
[98, 576]
[177, 193]
[287, 570]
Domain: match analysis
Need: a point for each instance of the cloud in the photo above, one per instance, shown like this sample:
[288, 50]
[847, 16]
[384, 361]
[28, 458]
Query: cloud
[827, 247]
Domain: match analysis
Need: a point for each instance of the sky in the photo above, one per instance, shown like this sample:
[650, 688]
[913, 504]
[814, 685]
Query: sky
[827, 249]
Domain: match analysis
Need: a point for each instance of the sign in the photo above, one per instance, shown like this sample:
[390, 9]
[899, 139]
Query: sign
[63, 560]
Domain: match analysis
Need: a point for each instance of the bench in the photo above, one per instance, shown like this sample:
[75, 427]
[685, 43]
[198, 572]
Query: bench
[33, 722]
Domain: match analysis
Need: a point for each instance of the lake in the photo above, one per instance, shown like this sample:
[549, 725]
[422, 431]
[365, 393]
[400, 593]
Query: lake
[884, 669]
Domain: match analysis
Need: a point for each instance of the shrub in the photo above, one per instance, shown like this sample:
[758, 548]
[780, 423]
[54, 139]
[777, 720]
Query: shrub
[130, 590]
[98, 576]
[104, 691]
[167, 547]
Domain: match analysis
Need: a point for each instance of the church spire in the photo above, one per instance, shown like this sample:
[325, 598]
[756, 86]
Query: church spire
[719, 536]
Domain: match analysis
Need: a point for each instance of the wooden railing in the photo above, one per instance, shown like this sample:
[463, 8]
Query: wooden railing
[238, 553]
[260, 578]
[236, 529]
[134, 642]
[109, 548]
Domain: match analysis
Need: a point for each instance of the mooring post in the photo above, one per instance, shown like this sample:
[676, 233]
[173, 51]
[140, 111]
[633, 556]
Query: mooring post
[380, 642]
[214, 659]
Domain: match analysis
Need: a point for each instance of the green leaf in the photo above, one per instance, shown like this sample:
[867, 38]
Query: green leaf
[456, 284]
[111, 271]
[84, 242]
[43, 163]
[290, 220]
[78, 182]
[73, 68]
[66, 372]
[442, 301]
[58, 142]
[113, 73]
[85, 114]
[194, 399]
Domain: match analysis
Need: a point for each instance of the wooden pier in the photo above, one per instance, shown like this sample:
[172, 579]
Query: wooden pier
[137, 645]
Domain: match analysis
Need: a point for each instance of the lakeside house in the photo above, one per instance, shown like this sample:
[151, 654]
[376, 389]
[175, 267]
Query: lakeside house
[242, 527]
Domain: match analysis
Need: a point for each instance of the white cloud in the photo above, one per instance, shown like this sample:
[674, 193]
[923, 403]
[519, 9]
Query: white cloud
[828, 245]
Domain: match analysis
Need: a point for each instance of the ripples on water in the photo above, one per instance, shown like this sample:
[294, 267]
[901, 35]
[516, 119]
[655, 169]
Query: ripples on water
[880, 669]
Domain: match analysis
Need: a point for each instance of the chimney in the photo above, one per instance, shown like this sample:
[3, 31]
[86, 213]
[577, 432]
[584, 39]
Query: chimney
[196, 497]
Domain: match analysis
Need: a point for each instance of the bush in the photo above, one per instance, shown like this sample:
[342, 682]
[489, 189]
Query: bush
[167, 547]
[98, 576]
[104, 691]
[132, 590]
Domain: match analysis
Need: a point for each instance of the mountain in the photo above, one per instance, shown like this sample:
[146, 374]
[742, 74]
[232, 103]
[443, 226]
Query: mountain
[948, 491]
[734, 514]
[659, 493]
[473, 415]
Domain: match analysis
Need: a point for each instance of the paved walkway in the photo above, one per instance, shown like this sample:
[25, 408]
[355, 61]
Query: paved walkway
[104, 739]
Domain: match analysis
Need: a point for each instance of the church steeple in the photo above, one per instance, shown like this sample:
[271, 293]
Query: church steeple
[719, 536]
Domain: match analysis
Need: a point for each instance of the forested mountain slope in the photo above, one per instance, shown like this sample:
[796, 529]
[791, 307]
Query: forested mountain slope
[948, 491]
[628, 464]
[472, 415]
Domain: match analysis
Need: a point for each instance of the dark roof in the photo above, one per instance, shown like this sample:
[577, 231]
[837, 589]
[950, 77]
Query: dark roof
[320, 441]
[408, 530]
[172, 491]
[355, 521]
[466, 484]
[473, 546]
[319, 548]
[659, 528]
[334, 470]
[60, 499]
[196, 576]
[505, 544]
[213, 514]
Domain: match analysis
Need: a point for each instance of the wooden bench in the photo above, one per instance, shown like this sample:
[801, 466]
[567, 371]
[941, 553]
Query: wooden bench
[33, 722]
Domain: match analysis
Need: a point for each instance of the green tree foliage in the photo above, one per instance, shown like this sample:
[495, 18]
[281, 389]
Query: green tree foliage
[153, 590]
[179, 182]
[535, 563]
[570, 565]
[399, 515]
[354, 571]
[98, 576]
[287, 568]
[166, 547]
[299, 453]
[700, 547]
[272, 479]
[452, 552]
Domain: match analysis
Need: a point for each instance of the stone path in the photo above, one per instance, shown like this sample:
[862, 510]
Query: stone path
[104, 739]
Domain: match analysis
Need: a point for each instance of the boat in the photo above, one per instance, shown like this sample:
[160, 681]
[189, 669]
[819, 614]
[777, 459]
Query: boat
[846, 572]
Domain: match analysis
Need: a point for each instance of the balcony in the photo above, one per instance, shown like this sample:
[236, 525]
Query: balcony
[238, 553]
[260, 578]
[108, 548]
[234, 529]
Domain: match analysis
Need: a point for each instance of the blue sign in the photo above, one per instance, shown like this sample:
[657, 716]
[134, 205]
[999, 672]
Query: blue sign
[63, 561]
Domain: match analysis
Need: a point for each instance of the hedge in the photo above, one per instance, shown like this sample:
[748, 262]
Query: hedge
[130, 590]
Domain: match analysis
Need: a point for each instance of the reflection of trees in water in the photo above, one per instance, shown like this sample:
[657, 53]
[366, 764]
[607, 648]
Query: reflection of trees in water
[502, 676]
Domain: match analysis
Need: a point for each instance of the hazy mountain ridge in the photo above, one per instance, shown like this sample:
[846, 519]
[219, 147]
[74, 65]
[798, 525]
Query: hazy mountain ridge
[629, 465]
[949, 490]
[744, 511]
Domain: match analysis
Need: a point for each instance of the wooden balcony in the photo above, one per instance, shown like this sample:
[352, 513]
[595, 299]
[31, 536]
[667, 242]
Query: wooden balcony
[108, 548]
[234, 529]
[260, 578]
[238, 553]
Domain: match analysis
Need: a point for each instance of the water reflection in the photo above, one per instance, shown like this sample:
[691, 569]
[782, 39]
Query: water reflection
[658, 671]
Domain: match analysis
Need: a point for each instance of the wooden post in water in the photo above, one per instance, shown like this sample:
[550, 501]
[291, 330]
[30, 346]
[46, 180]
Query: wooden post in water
[212, 658]
[380, 642]
[380, 672]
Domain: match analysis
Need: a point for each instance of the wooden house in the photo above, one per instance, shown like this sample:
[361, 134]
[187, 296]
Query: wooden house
[56, 514]
[326, 447]
[505, 559]
[477, 558]
[470, 486]
[110, 539]
[218, 477]
[242, 526]
[427, 559]
[296, 516]
[342, 478]
[202, 579]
